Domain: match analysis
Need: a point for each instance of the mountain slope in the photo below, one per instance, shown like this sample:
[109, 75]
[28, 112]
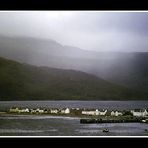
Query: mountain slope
[127, 69]
[25, 82]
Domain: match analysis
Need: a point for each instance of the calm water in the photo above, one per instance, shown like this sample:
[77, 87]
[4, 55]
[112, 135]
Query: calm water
[120, 105]
[66, 126]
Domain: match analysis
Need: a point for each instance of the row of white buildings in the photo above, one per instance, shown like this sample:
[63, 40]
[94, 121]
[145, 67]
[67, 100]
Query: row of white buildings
[101, 113]
[137, 113]
[140, 113]
[38, 110]
[96, 112]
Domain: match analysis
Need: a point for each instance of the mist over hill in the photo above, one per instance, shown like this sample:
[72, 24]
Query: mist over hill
[129, 69]
[19, 81]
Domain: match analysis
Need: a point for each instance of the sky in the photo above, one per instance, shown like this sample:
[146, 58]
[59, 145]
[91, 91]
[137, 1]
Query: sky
[89, 30]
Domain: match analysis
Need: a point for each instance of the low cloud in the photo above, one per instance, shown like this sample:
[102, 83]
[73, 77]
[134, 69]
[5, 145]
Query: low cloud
[90, 30]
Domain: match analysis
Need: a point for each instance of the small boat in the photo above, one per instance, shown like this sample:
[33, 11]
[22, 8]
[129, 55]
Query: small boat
[146, 130]
[106, 130]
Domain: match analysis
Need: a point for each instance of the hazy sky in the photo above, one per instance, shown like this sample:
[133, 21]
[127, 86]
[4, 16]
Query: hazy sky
[101, 31]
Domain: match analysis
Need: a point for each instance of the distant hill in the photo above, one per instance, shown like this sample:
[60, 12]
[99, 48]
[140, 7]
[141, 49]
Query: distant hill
[127, 69]
[130, 72]
[19, 81]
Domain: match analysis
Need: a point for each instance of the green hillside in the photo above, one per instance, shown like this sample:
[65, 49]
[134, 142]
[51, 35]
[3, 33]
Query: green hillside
[25, 82]
[127, 69]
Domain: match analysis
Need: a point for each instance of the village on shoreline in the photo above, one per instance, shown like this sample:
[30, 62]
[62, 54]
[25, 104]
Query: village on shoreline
[86, 115]
[79, 112]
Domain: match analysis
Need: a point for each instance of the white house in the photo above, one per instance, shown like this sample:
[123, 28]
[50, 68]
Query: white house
[53, 111]
[96, 112]
[33, 110]
[139, 113]
[89, 112]
[17, 110]
[66, 111]
[26, 110]
[14, 110]
[103, 113]
[116, 113]
[39, 110]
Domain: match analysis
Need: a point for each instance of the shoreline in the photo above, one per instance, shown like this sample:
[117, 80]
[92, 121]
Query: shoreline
[82, 119]
[5, 114]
